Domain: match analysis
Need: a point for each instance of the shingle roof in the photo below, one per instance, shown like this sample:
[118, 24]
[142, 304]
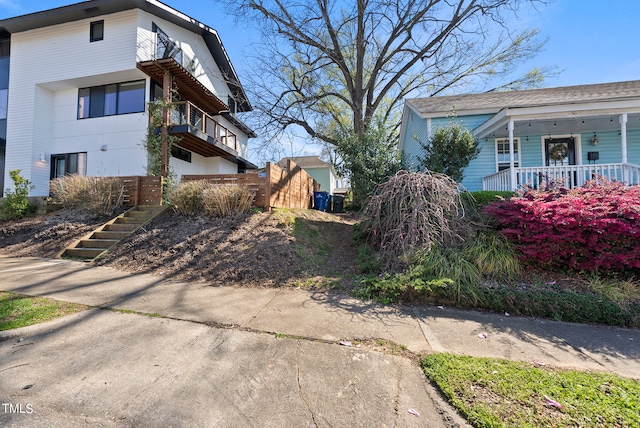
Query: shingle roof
[528, 98]
[306, 162]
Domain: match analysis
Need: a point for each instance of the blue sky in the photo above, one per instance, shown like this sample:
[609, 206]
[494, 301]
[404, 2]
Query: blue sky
[591, 41]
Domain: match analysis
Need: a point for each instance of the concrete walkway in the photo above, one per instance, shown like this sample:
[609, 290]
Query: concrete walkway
[324, 318]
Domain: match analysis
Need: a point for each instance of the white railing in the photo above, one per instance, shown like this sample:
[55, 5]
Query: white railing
[498, 181]
[571, 175]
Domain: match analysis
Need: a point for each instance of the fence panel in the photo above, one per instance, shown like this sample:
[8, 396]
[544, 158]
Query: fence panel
[139, 190]
[276, 188]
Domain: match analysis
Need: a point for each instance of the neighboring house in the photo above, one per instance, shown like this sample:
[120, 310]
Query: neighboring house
[570, 133]
[75, 82]
[320, 170]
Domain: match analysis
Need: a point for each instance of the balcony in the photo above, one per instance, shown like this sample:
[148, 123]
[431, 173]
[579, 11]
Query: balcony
[201, 133]
[169, 58]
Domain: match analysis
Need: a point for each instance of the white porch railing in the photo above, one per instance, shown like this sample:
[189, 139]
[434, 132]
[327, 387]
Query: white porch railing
[572, 175]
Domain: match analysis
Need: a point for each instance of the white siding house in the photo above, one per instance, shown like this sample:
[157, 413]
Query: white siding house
[80, 78]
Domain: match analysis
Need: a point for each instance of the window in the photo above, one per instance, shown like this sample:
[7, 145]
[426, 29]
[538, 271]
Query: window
[180, 153]
[108, 100]
[502, 153]
[231, 102]
[5, 48]
[67, 164]
[4, 100]
[97, 31]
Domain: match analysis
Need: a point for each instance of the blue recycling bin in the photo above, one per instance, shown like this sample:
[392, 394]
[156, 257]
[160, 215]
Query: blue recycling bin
[320, 200]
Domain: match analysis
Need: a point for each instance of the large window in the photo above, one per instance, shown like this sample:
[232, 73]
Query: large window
[180, 153]
[108, 100]
[502, 153]
[67, 164]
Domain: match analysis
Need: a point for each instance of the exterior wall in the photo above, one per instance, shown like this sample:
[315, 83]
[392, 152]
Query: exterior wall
[633, 146]
[417, 130]
[55, 59]
[122, 135]
[202, 165]
[324, 177]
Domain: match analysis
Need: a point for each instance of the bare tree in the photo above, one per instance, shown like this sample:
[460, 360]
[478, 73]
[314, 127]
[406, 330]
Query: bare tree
[336, 66]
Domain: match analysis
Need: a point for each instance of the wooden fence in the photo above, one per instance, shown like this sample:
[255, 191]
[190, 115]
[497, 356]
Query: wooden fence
[275, 188]
[142, 190]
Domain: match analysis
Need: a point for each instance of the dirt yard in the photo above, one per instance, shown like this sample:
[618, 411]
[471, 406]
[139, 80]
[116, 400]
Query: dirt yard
[282, 248]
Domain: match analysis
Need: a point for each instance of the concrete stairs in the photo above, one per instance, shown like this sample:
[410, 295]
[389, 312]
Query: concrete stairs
[110, 233]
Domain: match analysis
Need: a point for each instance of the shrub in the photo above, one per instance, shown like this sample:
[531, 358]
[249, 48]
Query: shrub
[93, 195]
[414, 211]
[481, 198]
[449, 150]
[224, 200]
[16, 203]
[561, 305]
[187, 197]
[592, 228]
[217, 200]
[453, 274]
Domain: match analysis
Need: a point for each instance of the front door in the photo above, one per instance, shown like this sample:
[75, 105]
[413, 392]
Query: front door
[560, 151]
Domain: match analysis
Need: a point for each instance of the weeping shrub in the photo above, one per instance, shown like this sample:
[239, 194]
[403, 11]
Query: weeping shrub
[414, 211]
[93, 195]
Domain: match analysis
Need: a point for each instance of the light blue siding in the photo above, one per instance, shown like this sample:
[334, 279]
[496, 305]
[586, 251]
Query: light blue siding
[531, 147]
[633, 146]
[416, 131]
[483, 165]
[609, 147]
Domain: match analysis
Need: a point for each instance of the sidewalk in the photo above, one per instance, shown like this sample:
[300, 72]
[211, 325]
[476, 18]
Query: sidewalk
[329, 317]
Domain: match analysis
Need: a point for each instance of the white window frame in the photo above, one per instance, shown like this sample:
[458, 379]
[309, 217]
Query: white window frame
[516, 151]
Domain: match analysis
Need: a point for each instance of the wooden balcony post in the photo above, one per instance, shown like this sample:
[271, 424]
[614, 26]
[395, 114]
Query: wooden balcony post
[166, 120]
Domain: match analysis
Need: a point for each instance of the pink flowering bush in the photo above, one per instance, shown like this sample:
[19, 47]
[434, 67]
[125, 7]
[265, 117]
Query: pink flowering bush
[592, 228]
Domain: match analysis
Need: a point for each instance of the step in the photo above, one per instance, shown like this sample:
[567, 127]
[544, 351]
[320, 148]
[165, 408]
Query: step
[119, 227]
[131, 220]
[138, 214]
[97, 243]
[109, 235]
[84, 253]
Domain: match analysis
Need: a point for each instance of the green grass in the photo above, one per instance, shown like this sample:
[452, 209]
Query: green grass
[497, 393]
[20, 311]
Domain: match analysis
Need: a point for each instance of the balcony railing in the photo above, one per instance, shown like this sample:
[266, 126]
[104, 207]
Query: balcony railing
[571, 175]
[167, 48]
[185, 113]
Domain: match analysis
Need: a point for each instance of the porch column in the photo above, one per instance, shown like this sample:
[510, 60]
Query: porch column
[512, 169]
[623, 135]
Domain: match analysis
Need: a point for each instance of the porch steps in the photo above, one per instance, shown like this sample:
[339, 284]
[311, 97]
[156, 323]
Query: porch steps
[110, 233]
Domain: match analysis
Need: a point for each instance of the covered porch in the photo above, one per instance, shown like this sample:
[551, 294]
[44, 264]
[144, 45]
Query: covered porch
[568, 142]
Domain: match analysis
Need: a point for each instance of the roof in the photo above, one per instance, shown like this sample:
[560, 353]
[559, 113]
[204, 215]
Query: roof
[306, 162]
[94, 8]
[494, 101]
